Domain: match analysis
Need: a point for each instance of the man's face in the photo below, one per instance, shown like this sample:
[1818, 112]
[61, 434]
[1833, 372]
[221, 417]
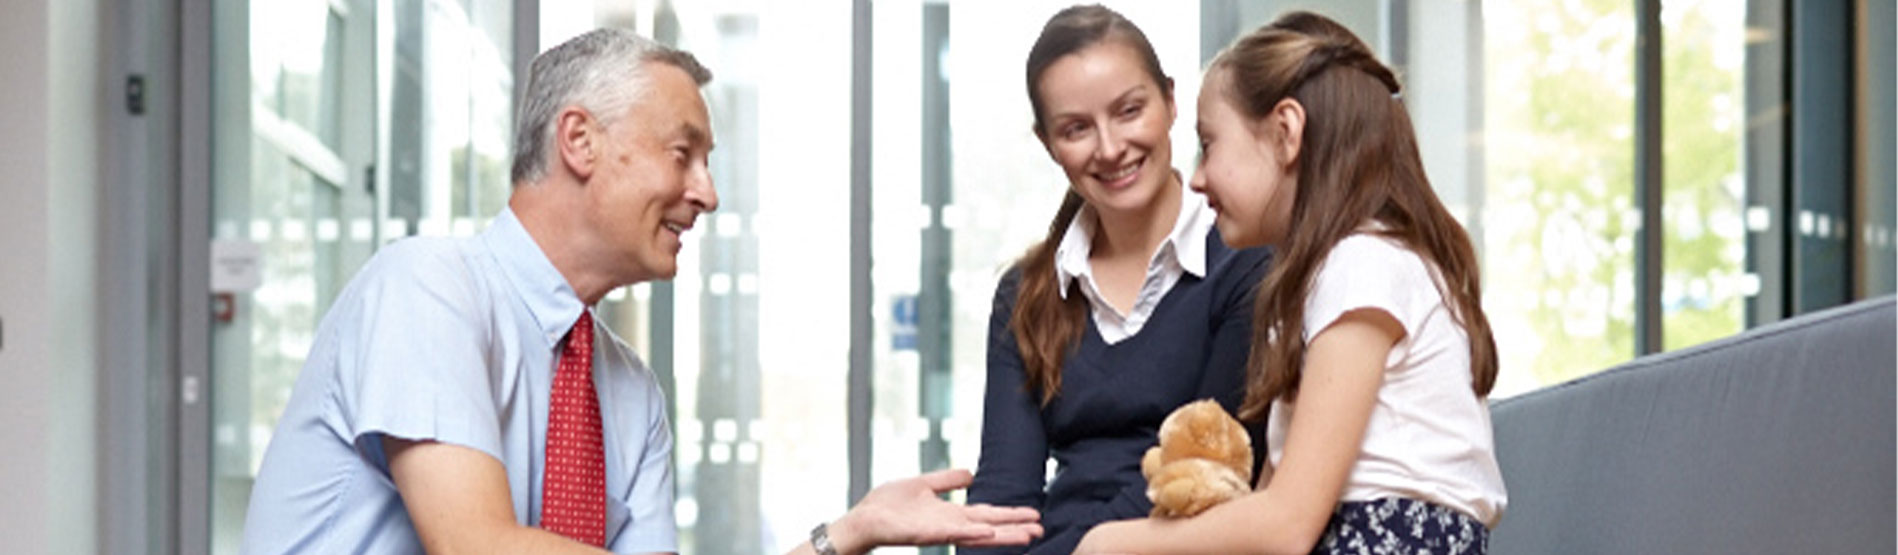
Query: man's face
[652, 182]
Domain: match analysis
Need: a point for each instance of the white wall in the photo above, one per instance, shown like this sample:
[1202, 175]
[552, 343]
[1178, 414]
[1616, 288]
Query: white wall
[51, 111]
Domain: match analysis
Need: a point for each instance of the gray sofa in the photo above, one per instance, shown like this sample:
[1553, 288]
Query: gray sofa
[1777, 440]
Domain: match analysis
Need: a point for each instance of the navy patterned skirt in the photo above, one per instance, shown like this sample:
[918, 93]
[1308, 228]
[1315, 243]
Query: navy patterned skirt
[1397, 525]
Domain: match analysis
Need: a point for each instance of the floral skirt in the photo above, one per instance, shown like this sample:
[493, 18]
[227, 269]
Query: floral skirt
[1397, 525]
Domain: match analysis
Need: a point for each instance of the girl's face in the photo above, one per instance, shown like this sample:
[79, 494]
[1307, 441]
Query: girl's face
[1247, 167]
[1106, 124]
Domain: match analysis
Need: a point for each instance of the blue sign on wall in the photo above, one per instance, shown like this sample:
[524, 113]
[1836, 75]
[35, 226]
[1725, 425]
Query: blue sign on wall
[903, 323]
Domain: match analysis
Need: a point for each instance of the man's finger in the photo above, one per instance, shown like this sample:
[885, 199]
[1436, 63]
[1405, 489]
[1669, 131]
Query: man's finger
[1017, 534]
[947, 480]
[1000, 515]
[969, 533]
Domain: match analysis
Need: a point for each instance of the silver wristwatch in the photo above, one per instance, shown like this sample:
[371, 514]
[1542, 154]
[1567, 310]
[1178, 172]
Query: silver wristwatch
[820, 540]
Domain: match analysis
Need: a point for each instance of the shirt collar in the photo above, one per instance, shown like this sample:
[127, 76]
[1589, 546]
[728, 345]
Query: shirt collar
[548, 297]
[1070, 257]
[1186, 243]
[1190, 230]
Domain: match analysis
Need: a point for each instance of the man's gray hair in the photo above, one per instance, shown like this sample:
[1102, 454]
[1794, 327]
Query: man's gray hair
[603, 72]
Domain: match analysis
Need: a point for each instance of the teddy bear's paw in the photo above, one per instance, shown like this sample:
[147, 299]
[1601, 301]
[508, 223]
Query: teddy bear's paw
[1188, 487]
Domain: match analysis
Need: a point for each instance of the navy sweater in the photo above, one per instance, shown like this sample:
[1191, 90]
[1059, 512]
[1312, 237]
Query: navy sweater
[1112, 400]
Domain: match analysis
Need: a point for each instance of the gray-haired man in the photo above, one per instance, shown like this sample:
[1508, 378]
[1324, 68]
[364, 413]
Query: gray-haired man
[459, 396]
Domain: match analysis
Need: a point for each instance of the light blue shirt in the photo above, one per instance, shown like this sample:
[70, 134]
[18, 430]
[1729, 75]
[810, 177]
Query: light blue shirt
[451, 340]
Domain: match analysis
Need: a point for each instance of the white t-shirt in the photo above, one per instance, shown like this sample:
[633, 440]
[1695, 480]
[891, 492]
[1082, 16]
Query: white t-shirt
[1429, 437]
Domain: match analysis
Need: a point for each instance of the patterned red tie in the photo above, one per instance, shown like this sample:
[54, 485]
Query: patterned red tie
[573, 488]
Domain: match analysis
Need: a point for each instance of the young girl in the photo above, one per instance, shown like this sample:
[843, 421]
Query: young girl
[1132, 305]
[1371, 355]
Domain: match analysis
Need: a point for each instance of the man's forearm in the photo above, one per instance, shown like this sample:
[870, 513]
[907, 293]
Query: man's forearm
[846, 537]
[509, 538]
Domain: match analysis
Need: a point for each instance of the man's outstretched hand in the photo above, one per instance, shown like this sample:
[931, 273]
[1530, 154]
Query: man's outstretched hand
[908, 512]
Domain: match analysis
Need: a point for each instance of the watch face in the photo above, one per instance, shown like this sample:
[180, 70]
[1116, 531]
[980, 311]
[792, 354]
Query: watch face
[820, 540]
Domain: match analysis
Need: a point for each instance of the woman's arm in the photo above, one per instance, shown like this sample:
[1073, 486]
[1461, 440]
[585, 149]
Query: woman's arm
[1013, 466]
[1230, 344]
[1344, 367]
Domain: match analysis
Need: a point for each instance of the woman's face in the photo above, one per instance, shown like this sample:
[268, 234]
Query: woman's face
[1106, 124]
[1246, 167]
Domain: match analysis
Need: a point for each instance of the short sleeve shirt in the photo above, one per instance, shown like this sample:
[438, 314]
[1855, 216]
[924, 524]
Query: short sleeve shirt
[1429, 437]
[454, 341]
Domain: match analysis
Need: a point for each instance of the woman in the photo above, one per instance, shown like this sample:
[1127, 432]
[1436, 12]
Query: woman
[1130, 307]
[1371, 355]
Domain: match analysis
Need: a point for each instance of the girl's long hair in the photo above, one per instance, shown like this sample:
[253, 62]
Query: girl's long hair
[1048, 327]
[1357, 163]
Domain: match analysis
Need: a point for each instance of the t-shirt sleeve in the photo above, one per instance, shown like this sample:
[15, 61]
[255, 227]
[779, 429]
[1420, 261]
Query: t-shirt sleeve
[1365, 271]
[415, 366]
[649, 527]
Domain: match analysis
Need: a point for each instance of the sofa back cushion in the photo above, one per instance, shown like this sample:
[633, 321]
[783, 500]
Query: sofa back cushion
[1777, 440]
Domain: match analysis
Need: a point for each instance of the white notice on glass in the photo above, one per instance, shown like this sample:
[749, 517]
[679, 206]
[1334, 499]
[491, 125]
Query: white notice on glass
[237, 266]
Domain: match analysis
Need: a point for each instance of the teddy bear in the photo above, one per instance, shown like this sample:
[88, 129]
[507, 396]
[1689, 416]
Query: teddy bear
[1204, 458]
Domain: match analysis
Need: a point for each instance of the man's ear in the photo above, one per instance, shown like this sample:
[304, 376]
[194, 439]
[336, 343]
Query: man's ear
[576, 140]
[1288, 122]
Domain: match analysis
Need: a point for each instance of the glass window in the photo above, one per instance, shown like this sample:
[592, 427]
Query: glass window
[1878, 148]
[349, 123]
[1524, 113]
[284, 187]
[303, 116]
[1705, 281]
[1558, 218]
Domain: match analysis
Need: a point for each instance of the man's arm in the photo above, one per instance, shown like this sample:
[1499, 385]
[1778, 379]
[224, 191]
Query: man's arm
[458, 499]
[908, 512]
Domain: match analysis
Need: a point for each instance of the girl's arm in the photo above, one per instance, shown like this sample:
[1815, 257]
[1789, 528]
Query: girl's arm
[1344, 367]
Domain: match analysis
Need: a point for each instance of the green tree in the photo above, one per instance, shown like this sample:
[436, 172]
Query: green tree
[1560, 147]
[1560, 114]
[1703, 247]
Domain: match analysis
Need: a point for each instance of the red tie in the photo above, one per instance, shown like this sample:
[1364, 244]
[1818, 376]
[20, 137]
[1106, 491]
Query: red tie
[573, 490]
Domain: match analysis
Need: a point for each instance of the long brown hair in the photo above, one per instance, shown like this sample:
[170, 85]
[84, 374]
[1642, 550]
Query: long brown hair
[1357, 162]
[1048, 327]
